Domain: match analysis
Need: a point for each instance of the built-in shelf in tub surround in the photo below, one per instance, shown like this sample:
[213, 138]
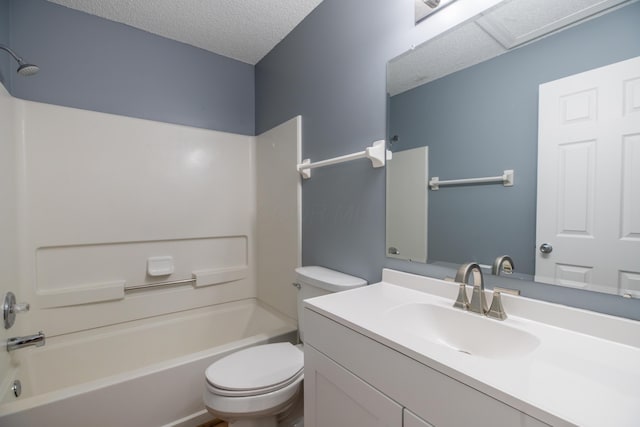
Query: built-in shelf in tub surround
[552, 364]
[91, 273]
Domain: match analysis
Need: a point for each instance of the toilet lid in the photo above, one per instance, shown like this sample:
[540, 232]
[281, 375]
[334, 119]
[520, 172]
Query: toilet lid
[256, 367]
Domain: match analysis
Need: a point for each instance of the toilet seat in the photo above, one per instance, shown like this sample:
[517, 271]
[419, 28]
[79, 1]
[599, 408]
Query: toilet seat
[256, 370]
[257, 391]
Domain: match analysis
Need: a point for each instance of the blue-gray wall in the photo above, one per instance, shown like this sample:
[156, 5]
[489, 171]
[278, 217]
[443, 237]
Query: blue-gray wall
[483, 120]
[95, 64]
[331, 69]
[4, 39]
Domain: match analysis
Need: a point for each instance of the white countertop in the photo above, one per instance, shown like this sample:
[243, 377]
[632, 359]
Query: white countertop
[585, 369]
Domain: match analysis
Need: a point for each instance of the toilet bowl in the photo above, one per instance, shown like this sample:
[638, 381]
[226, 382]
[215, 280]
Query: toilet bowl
[253, 386]
[261, 386]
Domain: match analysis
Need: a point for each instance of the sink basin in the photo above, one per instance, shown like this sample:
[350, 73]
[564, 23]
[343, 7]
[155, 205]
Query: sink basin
[462, 331]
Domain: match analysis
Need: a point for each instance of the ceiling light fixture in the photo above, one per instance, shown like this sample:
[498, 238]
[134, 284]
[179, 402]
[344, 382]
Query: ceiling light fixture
[425, 8]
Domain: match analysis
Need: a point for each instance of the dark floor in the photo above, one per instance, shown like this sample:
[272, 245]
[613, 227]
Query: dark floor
[216, 423]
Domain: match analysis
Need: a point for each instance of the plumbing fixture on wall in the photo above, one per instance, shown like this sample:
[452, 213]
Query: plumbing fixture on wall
[478, 302]
[10, 308]
[36, 340]
[24, 68]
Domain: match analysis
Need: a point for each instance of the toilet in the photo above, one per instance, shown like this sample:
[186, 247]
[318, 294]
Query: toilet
[260, 385]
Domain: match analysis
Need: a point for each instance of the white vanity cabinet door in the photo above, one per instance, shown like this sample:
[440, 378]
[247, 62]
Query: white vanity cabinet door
[412, 420]
[334, 397]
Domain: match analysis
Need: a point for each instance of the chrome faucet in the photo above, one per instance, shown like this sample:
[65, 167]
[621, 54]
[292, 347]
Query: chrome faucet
[502, 263]
[26, 341]
[478, 302]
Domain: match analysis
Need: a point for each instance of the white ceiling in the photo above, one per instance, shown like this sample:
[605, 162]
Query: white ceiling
[245, 30]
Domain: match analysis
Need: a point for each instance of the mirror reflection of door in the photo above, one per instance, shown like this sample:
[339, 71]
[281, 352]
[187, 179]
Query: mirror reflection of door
[407, 201]
[589, 180]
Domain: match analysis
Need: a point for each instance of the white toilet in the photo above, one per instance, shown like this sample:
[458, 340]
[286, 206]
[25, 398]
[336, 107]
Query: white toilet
[255, 386]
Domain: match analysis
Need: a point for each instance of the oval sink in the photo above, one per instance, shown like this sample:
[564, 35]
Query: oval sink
[462, 331]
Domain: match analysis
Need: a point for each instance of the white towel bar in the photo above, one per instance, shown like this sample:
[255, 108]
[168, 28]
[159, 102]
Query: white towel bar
[376, 153]
[506, 179]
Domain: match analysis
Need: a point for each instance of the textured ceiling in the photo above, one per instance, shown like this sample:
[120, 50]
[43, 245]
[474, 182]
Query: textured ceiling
[245, 30]
[510, 24]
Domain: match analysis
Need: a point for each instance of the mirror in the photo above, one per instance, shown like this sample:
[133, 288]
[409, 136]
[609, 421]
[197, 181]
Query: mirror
[472, 96]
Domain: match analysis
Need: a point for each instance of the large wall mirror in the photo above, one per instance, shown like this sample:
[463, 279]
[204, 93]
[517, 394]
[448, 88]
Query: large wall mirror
[481, 96]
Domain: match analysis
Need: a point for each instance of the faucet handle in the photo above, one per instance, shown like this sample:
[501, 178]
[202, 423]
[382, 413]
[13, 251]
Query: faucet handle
[496, 310]
[463, 300]
[20, 307]
[10, 308]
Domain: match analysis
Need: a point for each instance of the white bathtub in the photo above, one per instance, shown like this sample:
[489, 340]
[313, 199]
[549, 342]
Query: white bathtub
[144, 373]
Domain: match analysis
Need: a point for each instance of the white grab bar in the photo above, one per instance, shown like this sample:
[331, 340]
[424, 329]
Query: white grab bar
[376, 153]
[506, 179]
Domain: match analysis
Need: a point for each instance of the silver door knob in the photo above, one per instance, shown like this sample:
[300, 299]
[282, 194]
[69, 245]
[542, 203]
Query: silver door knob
[393, 251]
[546, 248]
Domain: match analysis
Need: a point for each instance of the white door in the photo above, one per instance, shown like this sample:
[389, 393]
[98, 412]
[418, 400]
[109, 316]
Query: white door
[588, 210]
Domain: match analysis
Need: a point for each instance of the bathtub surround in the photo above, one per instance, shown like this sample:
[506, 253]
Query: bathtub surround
[8, 220]
[88, 233]
[85, 234]
[279, 214]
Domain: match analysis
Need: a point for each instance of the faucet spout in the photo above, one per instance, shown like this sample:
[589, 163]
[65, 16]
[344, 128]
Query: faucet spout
[36, 340]
[502, 263]
[478, 302]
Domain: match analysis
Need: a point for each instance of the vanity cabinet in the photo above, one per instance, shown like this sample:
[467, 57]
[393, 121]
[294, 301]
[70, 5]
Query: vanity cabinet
[353, 380]
[339, 398]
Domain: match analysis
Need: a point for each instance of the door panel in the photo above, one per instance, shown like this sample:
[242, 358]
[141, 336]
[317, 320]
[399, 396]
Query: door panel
[588, 206]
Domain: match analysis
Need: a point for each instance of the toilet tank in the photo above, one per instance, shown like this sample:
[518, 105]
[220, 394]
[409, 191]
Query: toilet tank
[315, 281]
